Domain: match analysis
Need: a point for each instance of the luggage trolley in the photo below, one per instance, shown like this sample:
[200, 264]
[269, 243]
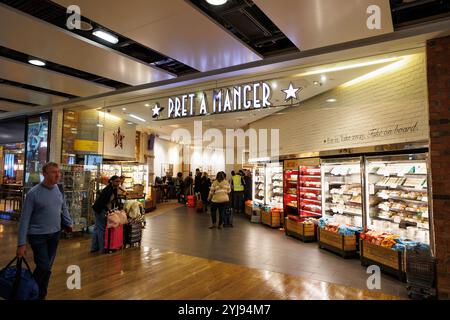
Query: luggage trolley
[420, 274]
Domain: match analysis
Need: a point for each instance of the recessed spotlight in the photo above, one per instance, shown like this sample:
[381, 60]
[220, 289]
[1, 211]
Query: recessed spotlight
[105, 36]
[323, 78]
[129, 122]
[123, 109]
[331, 100]
[99, 125]
[316, 83]
[85, 26]
[274, 85]
[216, 2]
[147, 105]
[36, 62]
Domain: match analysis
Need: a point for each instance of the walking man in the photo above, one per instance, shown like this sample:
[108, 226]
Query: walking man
[44, 213]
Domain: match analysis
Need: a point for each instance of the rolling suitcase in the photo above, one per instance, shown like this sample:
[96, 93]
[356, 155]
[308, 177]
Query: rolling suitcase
[228, 217]
[133, 234]
[113, 239]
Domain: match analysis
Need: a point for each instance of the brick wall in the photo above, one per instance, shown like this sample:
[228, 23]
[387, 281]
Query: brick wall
[397, 97]
[438, 68]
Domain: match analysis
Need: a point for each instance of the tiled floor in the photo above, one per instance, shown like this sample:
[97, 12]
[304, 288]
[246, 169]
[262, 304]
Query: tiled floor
[185, 231]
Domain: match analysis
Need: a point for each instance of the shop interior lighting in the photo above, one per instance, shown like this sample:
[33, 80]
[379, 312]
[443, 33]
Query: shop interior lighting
[216, 2]
[136, 117]
[376, 73]
[124, 109]
[105, 36]
[99, 125]
[323, 78]
[104, 115]
[147, 105]
[349, 66]
[36, 62]
[331, 100]
[316, 83]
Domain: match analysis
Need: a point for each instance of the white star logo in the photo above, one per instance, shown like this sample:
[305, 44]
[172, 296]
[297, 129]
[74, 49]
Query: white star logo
[291, 92]
[156, 110]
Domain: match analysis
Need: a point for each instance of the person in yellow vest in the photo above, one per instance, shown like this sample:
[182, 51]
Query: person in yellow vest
[237, 184]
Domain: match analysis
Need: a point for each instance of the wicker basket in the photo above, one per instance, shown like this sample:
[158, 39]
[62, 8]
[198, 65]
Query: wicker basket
[342, 245]
[304, 231]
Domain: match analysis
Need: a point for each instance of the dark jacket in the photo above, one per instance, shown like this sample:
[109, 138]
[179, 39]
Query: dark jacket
[101, 203]
[197, 183]
[205, 184]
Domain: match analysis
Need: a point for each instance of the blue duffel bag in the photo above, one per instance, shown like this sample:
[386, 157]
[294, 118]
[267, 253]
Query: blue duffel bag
[17, 283]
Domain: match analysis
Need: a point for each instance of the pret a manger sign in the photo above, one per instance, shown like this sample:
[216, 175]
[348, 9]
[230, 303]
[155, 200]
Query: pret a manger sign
[237, 98]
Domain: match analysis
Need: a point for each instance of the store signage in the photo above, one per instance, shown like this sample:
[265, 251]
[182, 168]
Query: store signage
[86, 145]
[224, 100]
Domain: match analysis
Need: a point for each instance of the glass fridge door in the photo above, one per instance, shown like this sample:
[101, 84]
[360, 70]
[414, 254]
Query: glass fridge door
[397, 199]
[274, 185]
[259, 184]
[341, 190]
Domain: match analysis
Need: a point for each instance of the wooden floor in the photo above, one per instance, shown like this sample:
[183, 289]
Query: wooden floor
[151, 273]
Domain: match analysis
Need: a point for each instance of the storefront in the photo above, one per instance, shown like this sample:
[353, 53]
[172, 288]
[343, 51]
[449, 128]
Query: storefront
[356, 166]
[23, 151]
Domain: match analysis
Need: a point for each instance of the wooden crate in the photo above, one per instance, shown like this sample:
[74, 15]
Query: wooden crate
[303, 231]
[248, 210]
[271, 219]
[342, 245]
[389, 261]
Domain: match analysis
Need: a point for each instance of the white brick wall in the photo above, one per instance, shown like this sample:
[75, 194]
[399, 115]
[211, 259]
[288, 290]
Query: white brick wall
[396, 97]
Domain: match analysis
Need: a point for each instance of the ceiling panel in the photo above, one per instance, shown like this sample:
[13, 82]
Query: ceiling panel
[9, 106]
[43, 78]
[173, 28]
[26, 95]
[313, 24]
[47, 42]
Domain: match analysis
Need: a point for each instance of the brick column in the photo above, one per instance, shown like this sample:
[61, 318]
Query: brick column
[438, 68]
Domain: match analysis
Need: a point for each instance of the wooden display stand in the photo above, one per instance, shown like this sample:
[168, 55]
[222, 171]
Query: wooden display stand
[389, 261]
[342, 245]
[271, 218]
[306, 232]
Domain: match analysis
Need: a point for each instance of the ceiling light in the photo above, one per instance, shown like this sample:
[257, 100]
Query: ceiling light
[274, 85]
[216, 2]
[323, 78]
[129, 122]
[136, 117]
[331, 100]
[106, 36]
[349, 66]
[85, 26]
[147, 105]
[316, 83]
[36, 62]
[123, 109]
[99, 125]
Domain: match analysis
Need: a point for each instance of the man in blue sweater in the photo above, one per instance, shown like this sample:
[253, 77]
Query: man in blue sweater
[44, 213]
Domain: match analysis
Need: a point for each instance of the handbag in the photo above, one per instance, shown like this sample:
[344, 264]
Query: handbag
[17, 283]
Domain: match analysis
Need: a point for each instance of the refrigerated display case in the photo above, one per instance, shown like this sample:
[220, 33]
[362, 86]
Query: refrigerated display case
[290, 191]
[342, 191]
[259, 184]
[310, 192]
[397, 196]
[274, 185]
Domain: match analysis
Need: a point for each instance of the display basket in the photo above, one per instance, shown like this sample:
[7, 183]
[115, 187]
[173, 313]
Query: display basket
[248, 209]
[345, 246]
[271, 218]
[389, 261]
[307, 232]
